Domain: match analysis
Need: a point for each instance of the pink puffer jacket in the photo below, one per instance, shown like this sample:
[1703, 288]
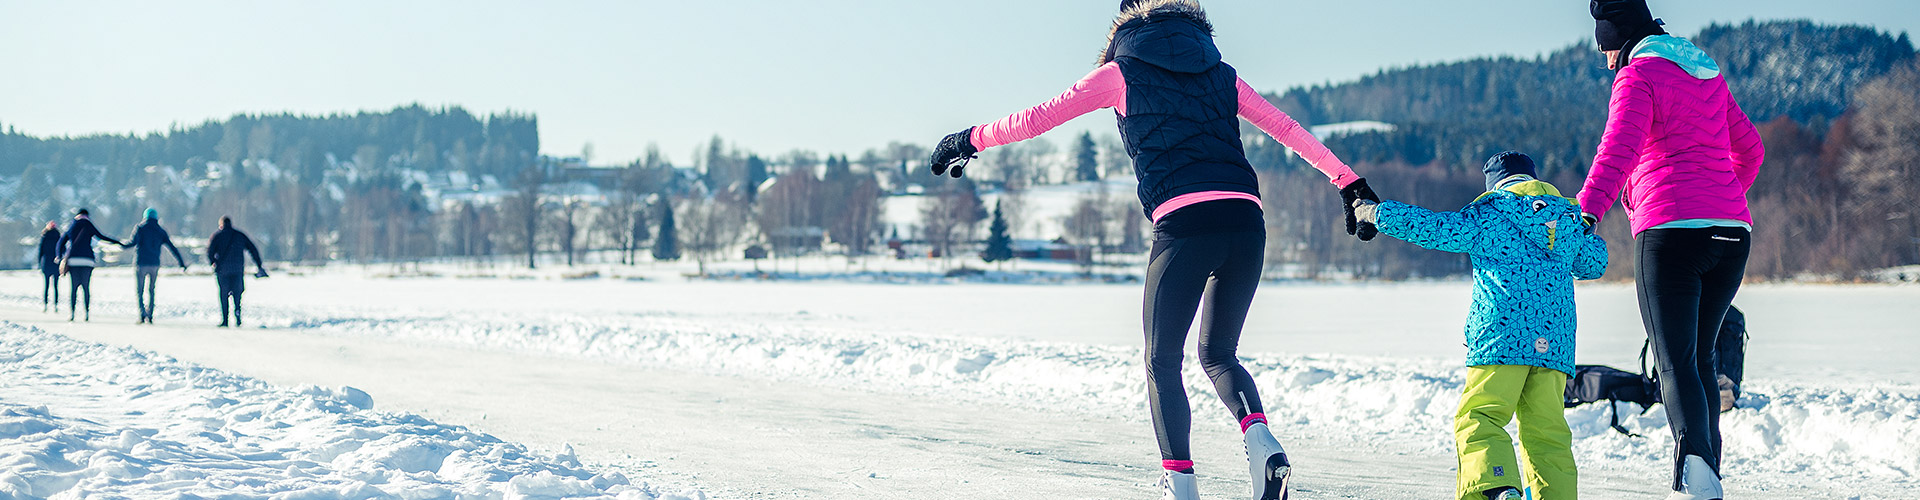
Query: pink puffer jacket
[1678, 143]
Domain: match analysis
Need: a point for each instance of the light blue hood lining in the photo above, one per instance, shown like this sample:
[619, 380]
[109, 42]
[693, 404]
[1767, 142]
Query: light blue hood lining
[1681, 52]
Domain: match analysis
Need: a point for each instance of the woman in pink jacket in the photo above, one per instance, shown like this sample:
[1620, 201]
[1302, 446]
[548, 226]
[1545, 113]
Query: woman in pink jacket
[1685, 154]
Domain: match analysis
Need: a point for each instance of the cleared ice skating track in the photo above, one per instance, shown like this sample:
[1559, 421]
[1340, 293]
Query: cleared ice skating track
[747, 438]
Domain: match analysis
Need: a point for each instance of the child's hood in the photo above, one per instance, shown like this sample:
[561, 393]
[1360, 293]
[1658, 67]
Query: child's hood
[1535, 209]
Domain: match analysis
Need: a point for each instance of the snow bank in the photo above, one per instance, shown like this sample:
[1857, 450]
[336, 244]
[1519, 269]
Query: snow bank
[1839, 433]
[81, 420]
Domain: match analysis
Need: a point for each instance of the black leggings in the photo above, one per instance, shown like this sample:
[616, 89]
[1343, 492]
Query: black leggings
[1686, 279]
[1216, 274]
[50, 290]
[231, 286]
[81, 278]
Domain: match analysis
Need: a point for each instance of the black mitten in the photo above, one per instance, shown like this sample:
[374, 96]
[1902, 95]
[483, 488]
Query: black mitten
[1358, 190]
[953, 153]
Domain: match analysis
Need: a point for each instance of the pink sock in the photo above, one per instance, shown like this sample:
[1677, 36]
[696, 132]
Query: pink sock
[1185, 466]
[1252, 418]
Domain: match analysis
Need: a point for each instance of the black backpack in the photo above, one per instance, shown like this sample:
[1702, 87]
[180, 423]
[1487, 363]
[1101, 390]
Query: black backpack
[1595, 383]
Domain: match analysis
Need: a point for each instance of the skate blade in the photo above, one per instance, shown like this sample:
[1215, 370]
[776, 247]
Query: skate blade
[1278, 472]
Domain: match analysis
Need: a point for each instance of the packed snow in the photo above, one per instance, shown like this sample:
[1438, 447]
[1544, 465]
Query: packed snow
[1830, 400]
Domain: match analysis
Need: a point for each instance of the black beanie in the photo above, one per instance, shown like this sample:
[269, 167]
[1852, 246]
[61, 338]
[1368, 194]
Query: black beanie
[1619, 23]
[1505, 165]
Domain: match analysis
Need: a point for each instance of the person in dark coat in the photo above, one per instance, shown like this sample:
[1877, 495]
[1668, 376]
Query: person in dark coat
[50, 267]
[225, 252]
[77, 261]
[148, 239]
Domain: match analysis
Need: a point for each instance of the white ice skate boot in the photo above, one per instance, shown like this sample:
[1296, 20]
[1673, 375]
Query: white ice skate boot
[1267, 462]
[1697, 481]
[1179, 486]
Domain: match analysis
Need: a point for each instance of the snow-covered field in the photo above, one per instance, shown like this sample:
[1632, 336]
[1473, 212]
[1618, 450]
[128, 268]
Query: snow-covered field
[84, 420]
[997, 383]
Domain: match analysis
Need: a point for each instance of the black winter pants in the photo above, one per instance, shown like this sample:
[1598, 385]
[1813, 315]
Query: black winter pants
[231, 286]
[146, 284]
[81, 280]
[50, 290]
[1686, 279]
[1214, 274]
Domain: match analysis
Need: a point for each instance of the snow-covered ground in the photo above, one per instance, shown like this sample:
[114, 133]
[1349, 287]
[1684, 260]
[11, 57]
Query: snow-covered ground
[1002, 385]
[84, 420]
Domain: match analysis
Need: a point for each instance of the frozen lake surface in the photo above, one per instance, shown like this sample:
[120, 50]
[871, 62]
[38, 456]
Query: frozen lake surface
[928, 390]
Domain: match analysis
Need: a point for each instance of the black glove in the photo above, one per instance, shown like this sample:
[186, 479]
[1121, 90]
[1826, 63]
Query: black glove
[1590, 221]
[953, 152]
[1358, 191]
[261, 274]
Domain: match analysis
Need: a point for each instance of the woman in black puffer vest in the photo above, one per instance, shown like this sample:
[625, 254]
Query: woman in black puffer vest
[1179, 107]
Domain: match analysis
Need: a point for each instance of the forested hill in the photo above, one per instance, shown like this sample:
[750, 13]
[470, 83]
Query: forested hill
[1838, 108]
[413, 136]
[1555, 105]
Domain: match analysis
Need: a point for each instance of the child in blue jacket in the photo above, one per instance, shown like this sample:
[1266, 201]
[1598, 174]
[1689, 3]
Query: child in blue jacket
[1528, 245]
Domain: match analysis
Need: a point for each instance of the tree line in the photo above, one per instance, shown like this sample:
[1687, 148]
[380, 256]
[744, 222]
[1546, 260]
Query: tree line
[1836, 106]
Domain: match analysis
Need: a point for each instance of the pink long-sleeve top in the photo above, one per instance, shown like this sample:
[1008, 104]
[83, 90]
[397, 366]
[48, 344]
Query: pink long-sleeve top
[1106, 88]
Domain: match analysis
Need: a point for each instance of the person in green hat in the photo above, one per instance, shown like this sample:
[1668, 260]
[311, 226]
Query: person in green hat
[147, 241]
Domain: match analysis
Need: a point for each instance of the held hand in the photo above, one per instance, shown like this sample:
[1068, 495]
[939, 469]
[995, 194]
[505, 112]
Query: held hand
[261, 274]
[1356, 191]
[1366, 212]
[1589, 221]
[953, 153]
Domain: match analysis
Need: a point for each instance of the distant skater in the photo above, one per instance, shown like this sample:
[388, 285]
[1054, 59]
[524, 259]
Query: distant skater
[147, 241]
[224, 252]
[1179, 108]
[76, 251]
[50, 267]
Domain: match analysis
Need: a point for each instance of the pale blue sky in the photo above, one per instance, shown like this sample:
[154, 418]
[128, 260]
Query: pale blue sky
[831, 76]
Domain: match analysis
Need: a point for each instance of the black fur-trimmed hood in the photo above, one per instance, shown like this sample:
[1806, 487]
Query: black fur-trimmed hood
[1172, 34]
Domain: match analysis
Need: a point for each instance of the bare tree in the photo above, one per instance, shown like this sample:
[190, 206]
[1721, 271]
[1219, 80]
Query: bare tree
[1017, 209]
[1113, 157]
[1024, 164]
[1089, 226]
[524, 211]
[1883, 170]
[949, 218]
[566, 226]
[790, 212]
[615, 224]
[858, 221]
[710, 226]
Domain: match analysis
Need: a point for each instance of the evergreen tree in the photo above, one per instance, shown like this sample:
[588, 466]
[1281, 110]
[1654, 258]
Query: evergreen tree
[666, 243]
[756, 173]
[1086, 158]
[999, 244]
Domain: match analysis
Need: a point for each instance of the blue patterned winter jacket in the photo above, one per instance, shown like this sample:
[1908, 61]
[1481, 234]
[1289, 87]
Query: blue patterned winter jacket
[1527, 244]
